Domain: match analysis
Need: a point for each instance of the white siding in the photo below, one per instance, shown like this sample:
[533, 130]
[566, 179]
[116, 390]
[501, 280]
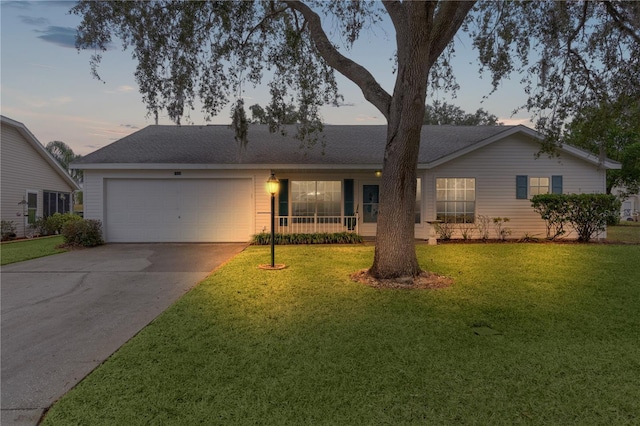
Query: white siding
[495, 168]
[23, 169]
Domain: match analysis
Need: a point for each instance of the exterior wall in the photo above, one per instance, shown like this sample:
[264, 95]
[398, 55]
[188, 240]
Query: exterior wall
[23, 169]
[495, 168]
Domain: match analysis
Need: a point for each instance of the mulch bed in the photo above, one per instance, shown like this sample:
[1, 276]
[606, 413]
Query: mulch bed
[424, 281]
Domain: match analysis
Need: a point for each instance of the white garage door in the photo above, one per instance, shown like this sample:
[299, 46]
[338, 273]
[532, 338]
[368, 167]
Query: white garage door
[185, 210]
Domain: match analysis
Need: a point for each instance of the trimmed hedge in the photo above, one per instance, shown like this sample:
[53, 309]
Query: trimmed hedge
[588, 214]
[53, 224]
[318, 238]
[84, 232]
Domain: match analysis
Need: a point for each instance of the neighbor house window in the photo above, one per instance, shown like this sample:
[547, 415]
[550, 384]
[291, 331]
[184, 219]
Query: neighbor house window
[456, 200]
[316, 198]
[538, 185]
[32, 207]
[527, 187]
[55, 202]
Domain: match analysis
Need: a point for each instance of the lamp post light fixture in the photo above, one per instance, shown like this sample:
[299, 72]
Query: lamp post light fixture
[273, 185]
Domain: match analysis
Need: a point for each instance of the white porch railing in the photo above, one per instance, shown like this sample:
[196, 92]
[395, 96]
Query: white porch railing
[316, 224]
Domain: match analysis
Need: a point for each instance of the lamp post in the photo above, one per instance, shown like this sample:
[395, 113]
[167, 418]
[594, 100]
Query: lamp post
[272, 187]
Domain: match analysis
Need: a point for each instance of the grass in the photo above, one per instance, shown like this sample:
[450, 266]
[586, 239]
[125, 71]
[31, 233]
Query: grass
[18, 251]
[627, 232]
[557, 343]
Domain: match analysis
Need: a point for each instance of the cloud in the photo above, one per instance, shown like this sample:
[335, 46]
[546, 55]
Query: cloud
[129, 126]
[29, 20]
[515, 121]
[343, 104]
[23, 5]
[125, 89]
[61, 36]
[36, 102]
[362, 118]
[121, 89]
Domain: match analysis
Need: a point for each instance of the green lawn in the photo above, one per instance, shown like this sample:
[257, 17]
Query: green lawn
[17, 251]
[627, 232]
[538, 334]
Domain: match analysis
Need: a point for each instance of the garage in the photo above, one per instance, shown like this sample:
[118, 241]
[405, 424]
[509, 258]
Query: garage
[178, 210]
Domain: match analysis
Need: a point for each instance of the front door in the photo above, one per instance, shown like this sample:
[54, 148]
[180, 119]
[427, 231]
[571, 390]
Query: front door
[370, 202]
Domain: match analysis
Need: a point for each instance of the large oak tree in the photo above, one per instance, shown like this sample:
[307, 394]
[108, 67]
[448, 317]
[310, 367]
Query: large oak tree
[566, 53]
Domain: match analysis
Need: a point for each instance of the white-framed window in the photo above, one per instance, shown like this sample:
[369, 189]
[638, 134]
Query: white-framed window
[316, 198]
[456, 200]
[538, 185]
[32, 207]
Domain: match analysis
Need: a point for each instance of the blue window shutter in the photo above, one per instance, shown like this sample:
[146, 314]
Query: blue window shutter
[349, 201]
[283, 198]
[348, 197]
[556, 184]
[522, 183]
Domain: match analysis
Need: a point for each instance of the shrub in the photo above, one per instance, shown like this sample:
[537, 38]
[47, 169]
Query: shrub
[466, 230]
[553, 210]
[83, 232]
[588, 214]
[39, 227]
[8, 230]
[501, 230]
[264, 238]
[482, 224]
[444, 230]
[528, 238]
[53, 224]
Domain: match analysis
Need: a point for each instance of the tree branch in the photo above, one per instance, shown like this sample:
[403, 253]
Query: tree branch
[446, 23]
[267, 17]
[355, 72]
[615, 15]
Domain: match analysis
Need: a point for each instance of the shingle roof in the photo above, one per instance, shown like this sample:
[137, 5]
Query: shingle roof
[338, 145]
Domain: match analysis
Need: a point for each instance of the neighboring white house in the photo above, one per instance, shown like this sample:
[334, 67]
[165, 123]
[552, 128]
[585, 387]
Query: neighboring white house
[192, 184]
[630, 209]
[33, 183]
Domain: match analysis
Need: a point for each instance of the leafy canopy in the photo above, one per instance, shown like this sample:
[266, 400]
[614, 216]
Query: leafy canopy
[568, 54]
[444, 113]
[612, 130]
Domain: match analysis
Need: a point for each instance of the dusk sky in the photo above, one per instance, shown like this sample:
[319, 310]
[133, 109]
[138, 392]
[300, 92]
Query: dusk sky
[47, 85]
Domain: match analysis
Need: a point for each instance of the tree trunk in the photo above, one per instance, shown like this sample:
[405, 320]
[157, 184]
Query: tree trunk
[395, 254]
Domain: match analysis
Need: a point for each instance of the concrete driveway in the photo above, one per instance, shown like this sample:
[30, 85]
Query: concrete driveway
[65, 314]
